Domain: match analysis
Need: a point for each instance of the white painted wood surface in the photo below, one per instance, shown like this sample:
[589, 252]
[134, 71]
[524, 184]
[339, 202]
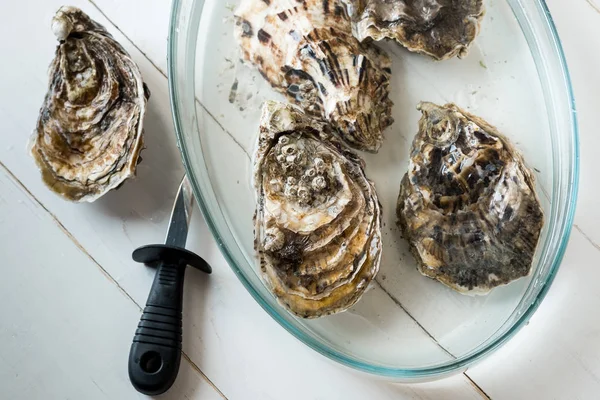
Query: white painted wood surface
[65, 324]
[68, 281]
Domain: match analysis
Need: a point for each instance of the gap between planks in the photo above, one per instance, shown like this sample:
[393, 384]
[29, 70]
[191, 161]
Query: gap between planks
[478, 388]
[594, 6]
[589, 239]
[108, 276]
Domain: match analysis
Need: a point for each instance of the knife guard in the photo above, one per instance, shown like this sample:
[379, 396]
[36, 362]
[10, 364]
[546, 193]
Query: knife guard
[155, 353]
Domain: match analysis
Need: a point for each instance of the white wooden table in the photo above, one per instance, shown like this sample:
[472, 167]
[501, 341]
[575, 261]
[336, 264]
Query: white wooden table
[70, 295]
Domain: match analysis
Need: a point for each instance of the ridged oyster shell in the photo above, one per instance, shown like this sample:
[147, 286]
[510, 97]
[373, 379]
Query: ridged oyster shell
[89, 132]
[318, 219]
[441, 29]
[305, 50]
[467, 205]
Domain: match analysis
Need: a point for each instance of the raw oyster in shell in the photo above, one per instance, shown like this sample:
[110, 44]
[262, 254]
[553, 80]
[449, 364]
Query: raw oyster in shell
[467, 205]
[89, 132]
[305, 50]
[318, 220]
[441, 29]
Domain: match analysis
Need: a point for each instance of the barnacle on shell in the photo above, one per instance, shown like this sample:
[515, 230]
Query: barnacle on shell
[467, 205]
[439, 28]
[318, 220]
[305, 50]
[89, 132]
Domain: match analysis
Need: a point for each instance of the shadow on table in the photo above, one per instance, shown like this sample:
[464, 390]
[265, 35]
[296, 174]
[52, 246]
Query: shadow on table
[153, 189]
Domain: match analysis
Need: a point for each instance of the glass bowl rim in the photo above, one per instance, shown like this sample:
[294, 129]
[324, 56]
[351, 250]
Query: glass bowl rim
[447, 368]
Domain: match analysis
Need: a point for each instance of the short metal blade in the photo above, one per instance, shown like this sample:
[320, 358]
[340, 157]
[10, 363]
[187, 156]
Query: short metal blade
[181, 214]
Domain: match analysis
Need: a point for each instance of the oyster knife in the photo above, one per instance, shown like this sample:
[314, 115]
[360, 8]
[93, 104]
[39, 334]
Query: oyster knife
[155, 353]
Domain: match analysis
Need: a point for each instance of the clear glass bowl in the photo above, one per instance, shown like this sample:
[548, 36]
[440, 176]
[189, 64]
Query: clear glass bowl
[406, 327]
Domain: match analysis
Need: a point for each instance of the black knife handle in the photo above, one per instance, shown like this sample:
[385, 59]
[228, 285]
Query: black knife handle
[155, 353]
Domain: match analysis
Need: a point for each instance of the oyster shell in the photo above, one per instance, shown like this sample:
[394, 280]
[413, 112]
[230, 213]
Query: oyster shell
[467, 205]
[318, 220]
[306, 51]
[89, 132]
[439, 28]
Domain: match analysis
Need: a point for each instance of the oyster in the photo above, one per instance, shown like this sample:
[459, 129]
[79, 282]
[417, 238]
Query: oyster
[467, 205]
[89, 132]
[306, 51]
[318, 220]
[439, 28]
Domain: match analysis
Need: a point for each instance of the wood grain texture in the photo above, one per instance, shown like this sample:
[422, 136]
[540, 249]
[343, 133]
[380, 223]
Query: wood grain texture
[66, 328]
[556, 356]
[578, 25]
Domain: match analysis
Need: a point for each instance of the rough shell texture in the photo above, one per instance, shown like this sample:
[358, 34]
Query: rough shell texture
[467, 204]
[439, 28]
[305, 50]
[89, 133]
[318, 220]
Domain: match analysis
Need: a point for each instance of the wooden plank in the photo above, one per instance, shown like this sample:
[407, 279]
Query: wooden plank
[126, 218]
[578, 24]
[556, 356]
[66, 328]
[137, 214]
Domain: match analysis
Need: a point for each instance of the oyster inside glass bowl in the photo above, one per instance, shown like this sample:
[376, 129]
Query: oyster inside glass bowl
[467, 204]
[318, 220]
[440, 29]
[405, 326]
[308, 53]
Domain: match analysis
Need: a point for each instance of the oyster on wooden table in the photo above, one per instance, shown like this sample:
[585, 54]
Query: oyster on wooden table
[318, 219]
[89, 132]
[441, 29]
[305, 49]
[467, 205]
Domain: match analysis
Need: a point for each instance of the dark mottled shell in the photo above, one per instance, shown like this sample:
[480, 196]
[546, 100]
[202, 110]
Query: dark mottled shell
[439, 28]
[305, 49]
[89, 133]
[318, 220]
[467, 205]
